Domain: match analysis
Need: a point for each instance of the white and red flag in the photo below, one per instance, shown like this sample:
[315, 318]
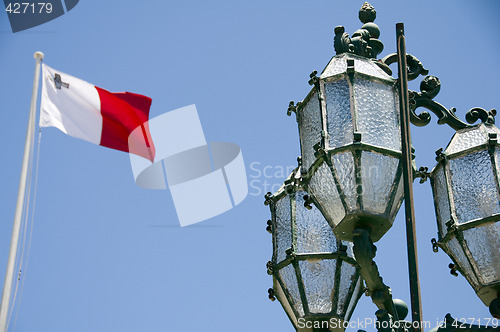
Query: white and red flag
[85, 111]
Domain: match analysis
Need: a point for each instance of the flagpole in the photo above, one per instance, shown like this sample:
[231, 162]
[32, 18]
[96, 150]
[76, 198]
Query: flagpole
[9, 275]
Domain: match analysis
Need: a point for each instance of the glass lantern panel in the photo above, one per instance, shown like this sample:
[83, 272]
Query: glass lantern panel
[309, 129]
[319, 280]
[441, 200]
[347, 274]
[343, 163]
[497, 161]
[339, 118]
[484, 245]
[474, 186]
[377, 114]
[322, 187]
[491, 129]
[466, 139]
[354, 299]
[378, 174]
[289, 278]
[337, 65]
[313, 232]
[283, 228]
[280, 295]
[370, 68]
[398, 200]
[457, 252]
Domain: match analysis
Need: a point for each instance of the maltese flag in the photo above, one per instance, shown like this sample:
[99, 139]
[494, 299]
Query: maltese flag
[85, 111]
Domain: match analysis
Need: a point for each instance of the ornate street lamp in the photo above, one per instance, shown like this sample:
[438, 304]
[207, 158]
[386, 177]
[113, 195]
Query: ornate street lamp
[315, 276]
[355, 169]
[465, 185]
[357, 178]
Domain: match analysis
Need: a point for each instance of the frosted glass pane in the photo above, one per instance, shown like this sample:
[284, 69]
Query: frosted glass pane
[396, 204]
[474, 189]
[337, 65]
[491, 129]
[368, 67]
[313, 232]
[484, 245]
[346, 280]
[377, 114]
[283, 228]
[441, 200]
[467, 139]
[289, 279]
[322, 187]
[344, 165]
[339, 118]
[378, 173]
[310, 129]
[319, 279]
[354, 299]
[497, 160]
[458, 254]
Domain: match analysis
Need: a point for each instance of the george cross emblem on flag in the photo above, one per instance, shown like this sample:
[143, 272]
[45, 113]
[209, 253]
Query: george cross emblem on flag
[59, 83]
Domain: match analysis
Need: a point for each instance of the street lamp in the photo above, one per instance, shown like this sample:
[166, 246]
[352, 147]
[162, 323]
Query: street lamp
[355, 169]
[315, 276]
[465, 185]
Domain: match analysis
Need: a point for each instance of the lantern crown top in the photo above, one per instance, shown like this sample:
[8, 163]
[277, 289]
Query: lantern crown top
[367, 13]
[364, 41]
[473, 138]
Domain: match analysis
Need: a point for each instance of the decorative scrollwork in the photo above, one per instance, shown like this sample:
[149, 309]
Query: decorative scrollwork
[435, 245]
[270, 267]
[269, 227]
[453, 269]
[430, 87]
[314, 79]
[291, 108]
[271, 295]
[481, 114]
[423, 174]
[307, 202]
[267, 198]
[415, 66]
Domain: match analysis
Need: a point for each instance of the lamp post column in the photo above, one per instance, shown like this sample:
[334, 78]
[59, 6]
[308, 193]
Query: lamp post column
[416, 306]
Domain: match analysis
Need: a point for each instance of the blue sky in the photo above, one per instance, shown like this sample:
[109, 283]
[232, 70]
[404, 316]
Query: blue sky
[107, 255]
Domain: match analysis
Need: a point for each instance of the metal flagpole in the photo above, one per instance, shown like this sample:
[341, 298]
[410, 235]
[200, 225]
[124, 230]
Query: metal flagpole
[4, 306]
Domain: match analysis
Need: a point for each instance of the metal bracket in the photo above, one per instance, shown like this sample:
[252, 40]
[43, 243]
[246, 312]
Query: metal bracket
[364, 252]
